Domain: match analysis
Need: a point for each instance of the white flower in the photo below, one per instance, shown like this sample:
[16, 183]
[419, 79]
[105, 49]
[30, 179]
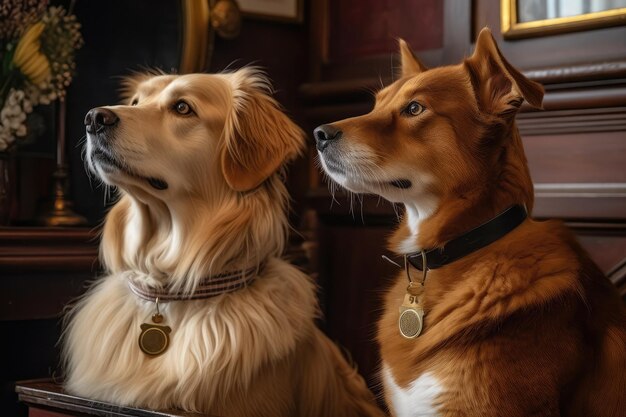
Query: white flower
[13, 118]
[15, 109]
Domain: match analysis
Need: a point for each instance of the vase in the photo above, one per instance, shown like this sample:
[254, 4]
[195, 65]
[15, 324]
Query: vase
[8, 186]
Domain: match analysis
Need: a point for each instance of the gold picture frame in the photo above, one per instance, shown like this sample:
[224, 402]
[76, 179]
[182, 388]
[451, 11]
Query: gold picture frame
[197, 34]
[201, 21]
[512, 28]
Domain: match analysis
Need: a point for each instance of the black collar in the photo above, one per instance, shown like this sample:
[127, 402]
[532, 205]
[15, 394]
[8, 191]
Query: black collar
[471, 241]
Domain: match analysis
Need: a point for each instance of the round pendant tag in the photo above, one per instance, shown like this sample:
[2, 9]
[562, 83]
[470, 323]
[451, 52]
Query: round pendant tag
[154, 339]
[410, 323]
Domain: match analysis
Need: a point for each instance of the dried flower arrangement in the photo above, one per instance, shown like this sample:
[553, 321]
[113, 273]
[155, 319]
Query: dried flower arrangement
[37, 47]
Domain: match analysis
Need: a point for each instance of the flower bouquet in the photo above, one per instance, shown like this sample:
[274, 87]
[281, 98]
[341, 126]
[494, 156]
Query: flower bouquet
[37, 47]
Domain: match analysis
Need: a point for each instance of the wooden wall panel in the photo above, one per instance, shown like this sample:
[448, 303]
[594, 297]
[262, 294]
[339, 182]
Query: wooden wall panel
[353, 277]
[577, 158]
[41, 270]
[362, 28]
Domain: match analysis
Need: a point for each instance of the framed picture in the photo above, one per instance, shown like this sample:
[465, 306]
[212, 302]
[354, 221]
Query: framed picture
[531, 18]
[291, 11]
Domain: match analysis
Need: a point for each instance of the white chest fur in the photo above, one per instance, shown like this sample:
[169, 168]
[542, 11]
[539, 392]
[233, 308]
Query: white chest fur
[415, 216]
[419, 399]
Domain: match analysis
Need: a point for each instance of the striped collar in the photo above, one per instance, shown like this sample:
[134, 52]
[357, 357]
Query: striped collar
[210, 286]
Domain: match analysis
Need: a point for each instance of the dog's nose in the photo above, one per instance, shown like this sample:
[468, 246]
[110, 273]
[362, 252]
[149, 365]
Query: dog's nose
[99, 118]
[324, 134]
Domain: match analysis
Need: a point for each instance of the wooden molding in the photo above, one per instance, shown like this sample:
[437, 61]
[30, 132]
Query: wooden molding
[30, 249]
[578, 73]
[42, 269]
[587, 120]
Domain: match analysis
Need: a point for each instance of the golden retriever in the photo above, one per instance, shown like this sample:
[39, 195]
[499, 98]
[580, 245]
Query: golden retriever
[197, 160]
[516, 319]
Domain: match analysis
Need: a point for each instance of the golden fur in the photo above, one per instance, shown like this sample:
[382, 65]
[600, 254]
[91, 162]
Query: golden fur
[525, 326]
[253, 352]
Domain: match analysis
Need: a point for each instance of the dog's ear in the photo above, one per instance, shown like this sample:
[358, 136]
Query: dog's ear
[500, 88]
[259, 137]
[409, 64]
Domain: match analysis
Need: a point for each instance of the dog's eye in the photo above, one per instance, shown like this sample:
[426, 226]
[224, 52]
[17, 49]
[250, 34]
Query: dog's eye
[182, 108]
[134, 102]
[413, 109]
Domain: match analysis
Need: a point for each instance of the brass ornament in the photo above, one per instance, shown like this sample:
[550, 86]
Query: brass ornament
[154, 339]
[226, 18]
[411, 320]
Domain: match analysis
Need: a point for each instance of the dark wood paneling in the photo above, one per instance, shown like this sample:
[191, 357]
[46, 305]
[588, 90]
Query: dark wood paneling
[353, 277]
[577, 158]
[42, 269]
[590, 206]
[456, 29]
[593, 120]
[361, 28]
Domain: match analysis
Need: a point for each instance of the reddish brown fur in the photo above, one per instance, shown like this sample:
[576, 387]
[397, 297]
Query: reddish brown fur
[527, 325]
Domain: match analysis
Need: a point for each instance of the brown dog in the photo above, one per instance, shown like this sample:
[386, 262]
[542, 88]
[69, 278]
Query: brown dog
[515, 319]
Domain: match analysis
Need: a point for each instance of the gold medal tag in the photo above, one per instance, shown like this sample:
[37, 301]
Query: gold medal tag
[411, 318]
[154, 339]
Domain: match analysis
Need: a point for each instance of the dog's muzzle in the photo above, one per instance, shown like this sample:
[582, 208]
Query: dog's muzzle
[99, 122]
[100, 119]
[324, 135]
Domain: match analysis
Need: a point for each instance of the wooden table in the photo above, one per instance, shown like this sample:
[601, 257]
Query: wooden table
[45, 398]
